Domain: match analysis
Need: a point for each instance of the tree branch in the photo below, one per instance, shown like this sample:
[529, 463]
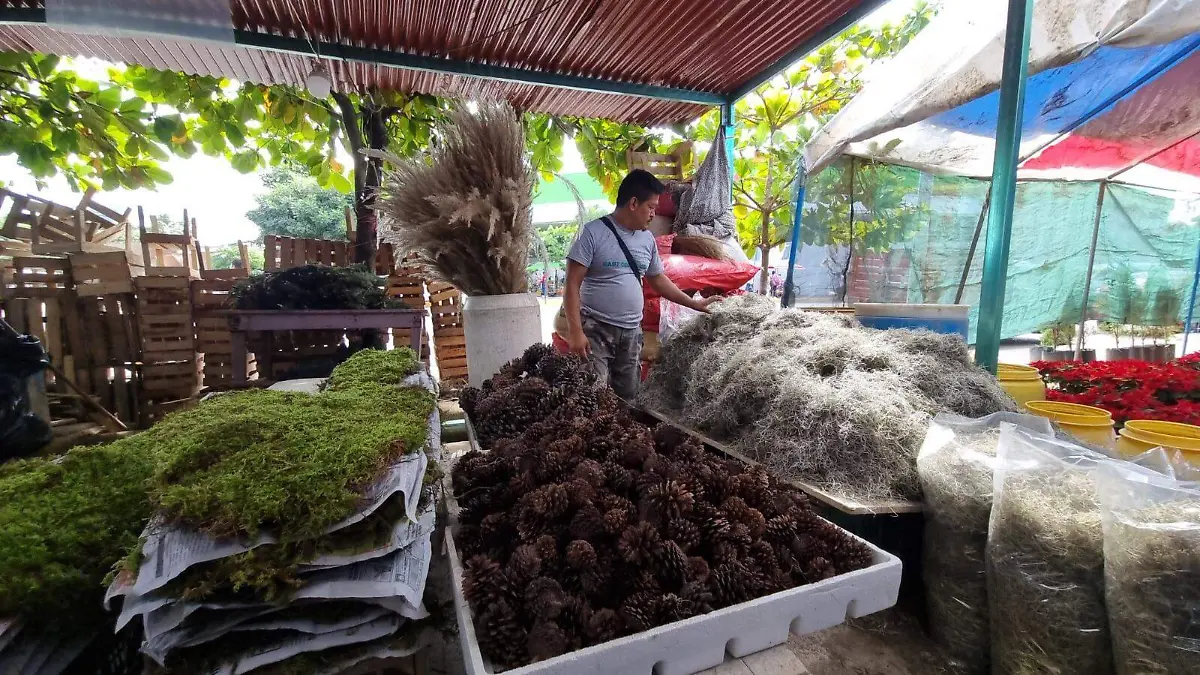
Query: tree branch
[349, 122]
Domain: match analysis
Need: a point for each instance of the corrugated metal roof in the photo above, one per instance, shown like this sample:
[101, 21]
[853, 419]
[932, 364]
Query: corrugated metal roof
[702, 45]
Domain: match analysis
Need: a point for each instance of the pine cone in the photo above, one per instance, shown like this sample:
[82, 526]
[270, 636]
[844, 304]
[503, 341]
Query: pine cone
[534, 353]
[684, 532]
[645, 582]
[605, 625]
[807, 547]
[615, 521]
[728, 585]
[501, 636]
[668, 437]
[580, 555]
[468, 540]
[591, 472]
[673, 608]
[496, 530]
[635, 452]
[698, 569]
[639, 611]
[588, 524]
[713, 529]
[849, 555]
[551, 468]
[818, 569]
[479, 579]
[546, 641]
[544, 598]
[725, 553]
[574, 619]
[582, 493]
[610, 501]
[524, 565]
[620, 480]
[551, 501]
[671, 565]
[780, 529]
[468, 399]
[547, 549]
[666, 500]
[699, 595]
[639, 544]
[763, 555]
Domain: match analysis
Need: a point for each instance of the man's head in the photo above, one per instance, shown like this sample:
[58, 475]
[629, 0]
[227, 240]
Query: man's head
[638, 198]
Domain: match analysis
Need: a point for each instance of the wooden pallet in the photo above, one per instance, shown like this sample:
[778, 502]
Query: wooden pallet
[284, 252]
[106, 273]
[666, 166]
[170, 363]
[88, 227]
[449, 334]
[211, 302]
[37, 276]
[408, 286]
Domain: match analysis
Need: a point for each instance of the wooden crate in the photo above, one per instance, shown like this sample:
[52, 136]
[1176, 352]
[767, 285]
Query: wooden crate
[154, 411]
[102, 351]
[37, 276]
[211, 302]
[105, 273]
[407, 286]
[449, 335]
[284, 252]
[164, 310]
[669, 166]
[87, 227]
[24, 211]
[170, 381]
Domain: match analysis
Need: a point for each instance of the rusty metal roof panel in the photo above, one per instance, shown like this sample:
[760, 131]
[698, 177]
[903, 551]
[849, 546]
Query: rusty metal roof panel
[699, 45]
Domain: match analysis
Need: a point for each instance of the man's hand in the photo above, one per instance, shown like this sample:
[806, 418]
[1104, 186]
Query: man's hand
[579, 343]
[701, 305]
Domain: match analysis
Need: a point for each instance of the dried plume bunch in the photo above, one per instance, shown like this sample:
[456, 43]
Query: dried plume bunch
[584, 526]
[816, 397]
[1152, 573]
[465, 210]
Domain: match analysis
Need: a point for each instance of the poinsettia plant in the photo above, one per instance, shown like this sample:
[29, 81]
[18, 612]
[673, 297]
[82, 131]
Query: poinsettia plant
[1130, 390]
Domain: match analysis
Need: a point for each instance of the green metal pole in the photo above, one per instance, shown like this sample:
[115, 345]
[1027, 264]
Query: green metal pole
[1004, 183]
[727, 121]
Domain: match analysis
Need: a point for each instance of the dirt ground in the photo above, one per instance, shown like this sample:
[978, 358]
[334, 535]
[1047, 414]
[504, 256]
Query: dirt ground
[888, 643]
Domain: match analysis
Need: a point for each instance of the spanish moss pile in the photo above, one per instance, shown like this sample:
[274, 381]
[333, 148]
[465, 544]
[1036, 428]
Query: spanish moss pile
[314, 287]
[1046, 561]
[585, 526]
[956, 466]
[814, 396]
[1152, 573]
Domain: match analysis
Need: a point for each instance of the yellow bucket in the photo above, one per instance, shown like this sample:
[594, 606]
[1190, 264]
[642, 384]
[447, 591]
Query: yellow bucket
[1084, 422]
[1022, 383]
[1138, 436]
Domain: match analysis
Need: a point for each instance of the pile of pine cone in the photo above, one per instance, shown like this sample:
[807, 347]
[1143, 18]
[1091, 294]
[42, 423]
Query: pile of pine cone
[582, 526]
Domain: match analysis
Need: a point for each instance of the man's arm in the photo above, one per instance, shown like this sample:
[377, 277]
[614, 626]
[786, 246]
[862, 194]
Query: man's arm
[667, 288]
[575, 337]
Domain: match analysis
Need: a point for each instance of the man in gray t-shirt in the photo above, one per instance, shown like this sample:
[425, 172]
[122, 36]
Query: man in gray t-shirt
[603, 301]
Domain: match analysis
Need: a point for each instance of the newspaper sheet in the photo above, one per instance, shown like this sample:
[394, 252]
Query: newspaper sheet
[404, 477]
[387, 648]
[401, 574]
[404, 533]
[8, 631]
[136, 605]
[198, 633]
[315, 624]
[27, 653]
[169, 617]
[65, 652]
[289, 645]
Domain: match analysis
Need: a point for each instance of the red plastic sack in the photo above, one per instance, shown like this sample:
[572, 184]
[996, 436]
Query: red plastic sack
[691, 274]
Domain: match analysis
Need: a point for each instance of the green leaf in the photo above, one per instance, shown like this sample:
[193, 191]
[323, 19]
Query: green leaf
[340, 183]
[245, 162]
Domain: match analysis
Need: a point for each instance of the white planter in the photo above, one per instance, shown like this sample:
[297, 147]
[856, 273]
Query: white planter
[701, 642]
[499, 328]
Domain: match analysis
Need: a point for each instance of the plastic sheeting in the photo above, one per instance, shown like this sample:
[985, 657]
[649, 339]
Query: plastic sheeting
[1113, 83]
[919, 257]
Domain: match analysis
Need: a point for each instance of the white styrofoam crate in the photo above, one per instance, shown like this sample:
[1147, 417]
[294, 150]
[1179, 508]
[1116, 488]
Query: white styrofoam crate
[701, 642]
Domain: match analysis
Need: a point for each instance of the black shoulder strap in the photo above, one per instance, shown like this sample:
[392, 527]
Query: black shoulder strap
[637, 272]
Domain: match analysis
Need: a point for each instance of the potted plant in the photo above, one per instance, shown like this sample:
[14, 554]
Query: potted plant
[1164, 315]
[1118, 304]
[1116, 330]
[465, 211]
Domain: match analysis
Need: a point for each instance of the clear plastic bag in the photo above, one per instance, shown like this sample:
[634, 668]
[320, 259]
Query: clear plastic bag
[671, 316]
[956, 464]
[1152, 571]
[1045, 559]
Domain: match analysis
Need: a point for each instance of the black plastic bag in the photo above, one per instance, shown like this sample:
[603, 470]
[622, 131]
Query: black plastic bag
[22, 432]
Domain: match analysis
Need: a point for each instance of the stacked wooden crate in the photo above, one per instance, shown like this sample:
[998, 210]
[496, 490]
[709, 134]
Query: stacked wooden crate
[171, 365]
[92, 339]
[407, 285]
[211, 302]
[449, 336]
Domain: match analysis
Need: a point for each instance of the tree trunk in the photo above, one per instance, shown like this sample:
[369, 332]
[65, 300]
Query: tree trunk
[367, 230]
[764, 275]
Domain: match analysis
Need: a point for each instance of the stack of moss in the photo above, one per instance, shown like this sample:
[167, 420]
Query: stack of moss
[275, 506]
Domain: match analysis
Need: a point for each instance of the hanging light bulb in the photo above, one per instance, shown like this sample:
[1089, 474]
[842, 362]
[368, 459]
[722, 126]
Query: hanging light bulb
[318, 81]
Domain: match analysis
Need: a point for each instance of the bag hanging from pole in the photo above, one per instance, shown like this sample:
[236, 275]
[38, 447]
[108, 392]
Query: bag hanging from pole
[707, 206]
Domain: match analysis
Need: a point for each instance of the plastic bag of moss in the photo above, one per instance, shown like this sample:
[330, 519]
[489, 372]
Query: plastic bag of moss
[1152, 571]
[1045, 559]
[955, 464]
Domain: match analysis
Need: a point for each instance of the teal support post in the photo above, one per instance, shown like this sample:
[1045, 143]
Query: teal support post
[789, 288]
[727, 123]
[1187, 325]
[1004, 183]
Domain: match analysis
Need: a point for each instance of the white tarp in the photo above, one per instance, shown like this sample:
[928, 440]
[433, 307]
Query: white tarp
[958, 58]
